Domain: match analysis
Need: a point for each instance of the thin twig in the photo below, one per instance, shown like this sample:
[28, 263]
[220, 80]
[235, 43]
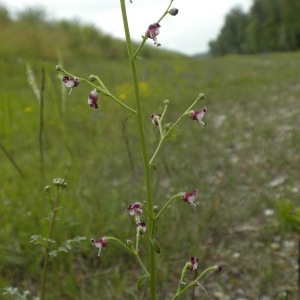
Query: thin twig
[11, 159]
[41, 130]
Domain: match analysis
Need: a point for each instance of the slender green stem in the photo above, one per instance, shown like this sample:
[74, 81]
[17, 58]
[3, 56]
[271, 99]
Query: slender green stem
[195, 282]
[156, 150]
[11, 159]
[166, 12]
[131, 251]
[167, 134]
[101, 83]
[41, 129]
[145, 38]
[110, 238]
[166, 205]
[102, 89]
[50, 236]
[144, 150]
[142, 265]
[187, 265]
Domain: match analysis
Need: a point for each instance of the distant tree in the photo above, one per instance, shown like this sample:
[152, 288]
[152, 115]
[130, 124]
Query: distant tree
[290, 27]
[263, 30]
[32, 15]
[232, 35]
[271, 25]
[4, 15]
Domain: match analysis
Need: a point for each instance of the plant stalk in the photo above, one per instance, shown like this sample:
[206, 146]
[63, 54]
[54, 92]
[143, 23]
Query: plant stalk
[151, 222]
[47, 256]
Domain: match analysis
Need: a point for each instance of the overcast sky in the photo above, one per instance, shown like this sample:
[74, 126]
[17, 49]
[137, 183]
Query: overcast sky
[198, 21]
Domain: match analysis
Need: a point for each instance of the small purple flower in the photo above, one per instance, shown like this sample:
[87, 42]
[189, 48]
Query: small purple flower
[154, 118]
[92, 100]
[190, 197]
[194, 263]
[198, 116]
[101, 243]
[142, 227]
[152, 33]
[70, 82]
[136, 210]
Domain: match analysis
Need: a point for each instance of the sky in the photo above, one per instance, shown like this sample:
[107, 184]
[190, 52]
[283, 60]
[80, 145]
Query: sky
[197, 23]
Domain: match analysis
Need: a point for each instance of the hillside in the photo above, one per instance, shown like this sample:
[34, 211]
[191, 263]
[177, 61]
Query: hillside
[245, 163]
[32, 35]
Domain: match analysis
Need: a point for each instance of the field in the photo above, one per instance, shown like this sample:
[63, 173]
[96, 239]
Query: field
[245, 162]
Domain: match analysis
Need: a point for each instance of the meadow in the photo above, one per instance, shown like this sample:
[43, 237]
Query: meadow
[244, 162]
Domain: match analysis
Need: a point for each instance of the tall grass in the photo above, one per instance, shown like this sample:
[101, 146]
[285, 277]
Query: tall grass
[251, 140]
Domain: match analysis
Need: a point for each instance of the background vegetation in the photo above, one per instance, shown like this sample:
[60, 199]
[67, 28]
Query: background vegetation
[244, 162]
[270, 25]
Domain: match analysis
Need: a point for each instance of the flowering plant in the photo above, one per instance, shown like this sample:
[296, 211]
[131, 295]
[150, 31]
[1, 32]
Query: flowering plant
[144, 211]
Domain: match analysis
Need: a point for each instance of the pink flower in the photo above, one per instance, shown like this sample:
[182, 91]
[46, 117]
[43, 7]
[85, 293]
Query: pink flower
[101, 243]
[198, 116]
[70, 82]
[92, 100]
[154, 118]
[190, 197]
[136, 210]
[152, 32]
[194, 263]
[142, 227]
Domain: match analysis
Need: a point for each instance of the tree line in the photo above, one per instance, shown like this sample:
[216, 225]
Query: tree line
[270, 25]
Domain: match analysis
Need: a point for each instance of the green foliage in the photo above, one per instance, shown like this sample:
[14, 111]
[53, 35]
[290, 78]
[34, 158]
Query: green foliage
[271, 25]
[251, 138]
[289, 216]
[15, 293]
[66, 246]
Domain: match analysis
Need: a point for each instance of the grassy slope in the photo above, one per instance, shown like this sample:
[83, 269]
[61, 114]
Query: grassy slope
[251, 139]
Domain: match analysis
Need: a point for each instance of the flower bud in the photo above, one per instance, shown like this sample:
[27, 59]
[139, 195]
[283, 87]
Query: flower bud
[219, 269]
[47, 188]
[155, 208]
[201, 96]
[173, 11]
[91, 78]
[58, 68]
[166, 102]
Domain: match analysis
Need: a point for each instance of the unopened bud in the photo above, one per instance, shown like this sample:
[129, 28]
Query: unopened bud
[173, 11]
[155, 208]
[91, 78]
[201, 96]
[219, 269]
[166, 102]
[167, 126]
[58, 68]
[47, 188]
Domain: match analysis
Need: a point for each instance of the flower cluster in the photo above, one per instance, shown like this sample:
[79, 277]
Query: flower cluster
[136, 210]
[72, 82]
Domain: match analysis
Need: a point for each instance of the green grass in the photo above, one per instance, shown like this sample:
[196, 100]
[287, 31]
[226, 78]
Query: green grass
[250, 140]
